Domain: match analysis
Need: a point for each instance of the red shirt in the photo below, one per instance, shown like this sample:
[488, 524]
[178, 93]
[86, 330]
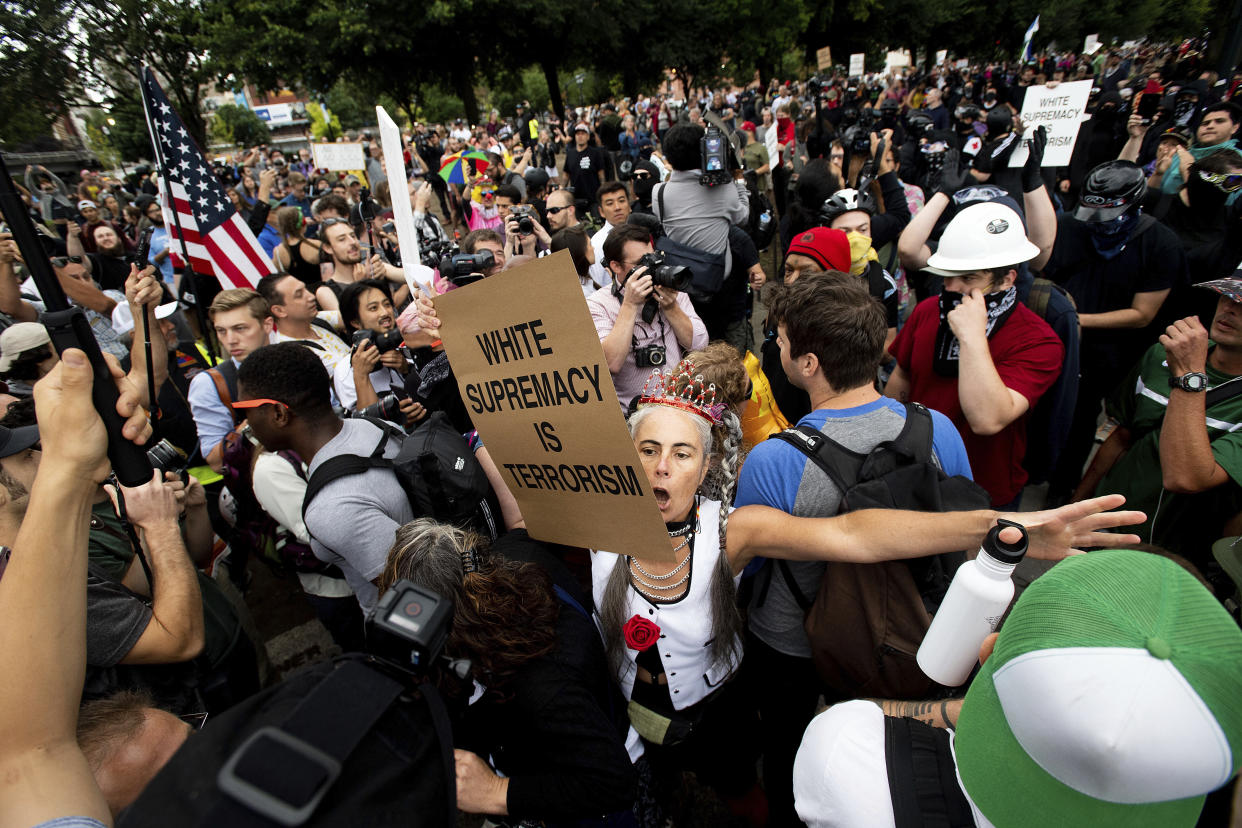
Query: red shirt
[1028, 356]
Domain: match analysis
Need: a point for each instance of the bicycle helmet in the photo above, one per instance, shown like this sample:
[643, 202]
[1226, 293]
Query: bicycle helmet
[845, 201]
[1111, 189]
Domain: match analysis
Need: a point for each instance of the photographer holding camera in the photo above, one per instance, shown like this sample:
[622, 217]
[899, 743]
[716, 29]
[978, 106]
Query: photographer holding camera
[524, 235]
[378, 364]
[644, 320]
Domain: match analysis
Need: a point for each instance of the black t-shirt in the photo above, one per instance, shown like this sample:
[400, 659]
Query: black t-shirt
[1153, 260]
[583, 168]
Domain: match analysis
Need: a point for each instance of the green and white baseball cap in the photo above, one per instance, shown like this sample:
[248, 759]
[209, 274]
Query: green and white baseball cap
[1113, 697]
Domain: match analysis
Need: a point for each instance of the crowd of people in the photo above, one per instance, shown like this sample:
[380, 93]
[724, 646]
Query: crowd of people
[994, 326]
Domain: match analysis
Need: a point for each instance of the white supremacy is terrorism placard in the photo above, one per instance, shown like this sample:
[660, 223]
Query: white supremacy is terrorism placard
[532, 374]
[1060, 110]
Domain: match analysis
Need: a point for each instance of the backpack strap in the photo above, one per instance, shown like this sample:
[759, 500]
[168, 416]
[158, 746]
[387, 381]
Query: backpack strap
[282, 772]
[345, 465]
[915, 439]
[922, 776]
[224, 376]
[1221, 393]
[832, 458]
[325, 325]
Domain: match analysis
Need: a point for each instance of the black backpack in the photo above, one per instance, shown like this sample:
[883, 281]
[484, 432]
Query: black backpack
[342, 743]
[435, 467]
[867, 621]
[761, 226]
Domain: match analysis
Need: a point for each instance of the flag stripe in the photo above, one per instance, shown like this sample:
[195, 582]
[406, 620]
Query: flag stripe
[197, 209]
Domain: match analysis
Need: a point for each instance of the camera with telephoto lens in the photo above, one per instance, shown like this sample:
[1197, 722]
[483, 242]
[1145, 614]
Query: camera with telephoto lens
[677, 277]
[166, 457]
[409, 626]
[522, 214]
[384, 342]
[387, 408]
[714, 149]
[650, 356]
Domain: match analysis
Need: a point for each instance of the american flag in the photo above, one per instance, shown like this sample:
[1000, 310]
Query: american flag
[217, 240]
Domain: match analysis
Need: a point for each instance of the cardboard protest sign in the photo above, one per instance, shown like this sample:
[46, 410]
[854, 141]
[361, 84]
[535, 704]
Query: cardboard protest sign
[339, 156]
[823, 58]
[942, 56]
[1060, 110]
[402, 212]
[532, 374]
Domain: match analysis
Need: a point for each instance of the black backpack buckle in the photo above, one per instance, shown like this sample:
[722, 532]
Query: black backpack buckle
[259, 772]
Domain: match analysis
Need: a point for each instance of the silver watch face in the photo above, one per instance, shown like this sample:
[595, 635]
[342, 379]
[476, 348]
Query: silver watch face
[1194, 382]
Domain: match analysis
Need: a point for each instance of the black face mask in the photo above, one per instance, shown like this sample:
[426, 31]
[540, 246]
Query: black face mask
[643, 188]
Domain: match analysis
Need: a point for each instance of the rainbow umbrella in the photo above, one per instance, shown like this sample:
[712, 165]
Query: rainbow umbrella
[453, 167]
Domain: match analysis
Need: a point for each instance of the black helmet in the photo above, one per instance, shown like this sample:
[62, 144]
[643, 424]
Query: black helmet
[1110, 190]
[889, 105]
[1000, 121]
[967, 110]
[918, 122]
[845, 201]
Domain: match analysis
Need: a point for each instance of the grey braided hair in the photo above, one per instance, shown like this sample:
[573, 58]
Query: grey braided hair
[726, 620]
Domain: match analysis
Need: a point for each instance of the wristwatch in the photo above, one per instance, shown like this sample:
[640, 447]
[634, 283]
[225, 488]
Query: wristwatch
[1194, 381]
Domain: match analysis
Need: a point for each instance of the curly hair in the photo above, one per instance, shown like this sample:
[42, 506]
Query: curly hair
[504, 612]
[290, 373]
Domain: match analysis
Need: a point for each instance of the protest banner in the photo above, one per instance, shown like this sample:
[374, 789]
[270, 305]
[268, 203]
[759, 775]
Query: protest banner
[856, 65]
[942, 56]
[897, 59]
[339, 156]
[963, 63]
[402, 212]
[823, 58]
[1060, 110]
[1091, 44]
[533, 377]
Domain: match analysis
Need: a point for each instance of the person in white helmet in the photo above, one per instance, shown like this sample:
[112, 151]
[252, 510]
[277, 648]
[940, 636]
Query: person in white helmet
[977, 354]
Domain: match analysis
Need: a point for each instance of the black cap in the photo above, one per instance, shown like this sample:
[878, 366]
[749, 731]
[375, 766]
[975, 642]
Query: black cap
[1005, 552]
[1111, 189]
[13, 440]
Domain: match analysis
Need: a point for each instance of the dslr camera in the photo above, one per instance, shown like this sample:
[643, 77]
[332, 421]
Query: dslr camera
[523, 215]
[384, 342]
[166, 457]
[677, 277]
[387, 408]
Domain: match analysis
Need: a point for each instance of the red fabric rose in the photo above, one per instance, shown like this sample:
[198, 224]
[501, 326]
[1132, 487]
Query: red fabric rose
[640, 634]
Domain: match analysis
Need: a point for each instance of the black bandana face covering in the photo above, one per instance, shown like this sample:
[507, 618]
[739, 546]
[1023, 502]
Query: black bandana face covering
[948, 349]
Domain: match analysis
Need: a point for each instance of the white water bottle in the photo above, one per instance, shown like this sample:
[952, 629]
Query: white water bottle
[973, 606]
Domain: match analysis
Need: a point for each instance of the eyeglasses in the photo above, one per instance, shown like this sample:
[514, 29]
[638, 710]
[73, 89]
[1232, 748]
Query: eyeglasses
[61, 261]
[1226, 182]
[256, 403]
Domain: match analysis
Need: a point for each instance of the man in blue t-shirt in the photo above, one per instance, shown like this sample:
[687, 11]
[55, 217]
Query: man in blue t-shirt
[830, 332]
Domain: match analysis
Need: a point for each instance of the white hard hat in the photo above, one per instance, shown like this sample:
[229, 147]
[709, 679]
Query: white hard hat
[981, 237]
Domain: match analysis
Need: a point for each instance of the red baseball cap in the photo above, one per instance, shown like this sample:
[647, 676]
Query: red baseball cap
[747, 126]
[830, 248]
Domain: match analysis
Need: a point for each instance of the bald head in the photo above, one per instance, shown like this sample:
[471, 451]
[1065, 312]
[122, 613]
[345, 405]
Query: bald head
[561, 211]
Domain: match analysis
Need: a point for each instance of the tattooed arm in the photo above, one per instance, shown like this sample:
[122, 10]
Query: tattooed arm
[935, 713]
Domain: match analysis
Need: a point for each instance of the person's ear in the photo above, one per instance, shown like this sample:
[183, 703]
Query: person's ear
[269, 324]
[1009, 279]
[808, 364]
[985, 649]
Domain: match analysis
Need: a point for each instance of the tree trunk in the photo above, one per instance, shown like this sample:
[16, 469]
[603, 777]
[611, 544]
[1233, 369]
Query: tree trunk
[463, 85]
[554, 87]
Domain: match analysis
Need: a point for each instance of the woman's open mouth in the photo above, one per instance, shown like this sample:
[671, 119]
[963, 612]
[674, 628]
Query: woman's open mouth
[662, 497]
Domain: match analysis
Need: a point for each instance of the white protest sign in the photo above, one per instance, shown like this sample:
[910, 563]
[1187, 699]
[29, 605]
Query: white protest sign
[402, 212]
[1060, 110]
[339, 156]
[1091, 44]
[942, 56]
[964, 63]
[898, 59]
[856, 65]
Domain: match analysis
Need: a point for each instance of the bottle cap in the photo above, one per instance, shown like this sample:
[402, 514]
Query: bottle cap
[1001, 551]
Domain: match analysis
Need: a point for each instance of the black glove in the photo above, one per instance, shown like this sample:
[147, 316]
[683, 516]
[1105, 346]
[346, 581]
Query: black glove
[953, 176]
[1031, 178]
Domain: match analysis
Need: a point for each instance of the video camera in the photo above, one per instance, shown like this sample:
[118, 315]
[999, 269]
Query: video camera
[714, 150]
[467, 268]
[409, 626]
[432, 252]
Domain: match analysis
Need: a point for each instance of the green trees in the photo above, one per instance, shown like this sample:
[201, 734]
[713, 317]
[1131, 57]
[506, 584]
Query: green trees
[233, 124]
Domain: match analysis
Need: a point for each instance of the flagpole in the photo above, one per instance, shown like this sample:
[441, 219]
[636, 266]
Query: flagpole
[199, 311]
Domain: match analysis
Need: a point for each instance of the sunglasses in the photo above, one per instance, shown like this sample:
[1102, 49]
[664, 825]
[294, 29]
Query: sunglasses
[552, 211]
[194, 720]
[333, 221]
[256, 403]
[61, 261]
[1226, 182]
[640, 175]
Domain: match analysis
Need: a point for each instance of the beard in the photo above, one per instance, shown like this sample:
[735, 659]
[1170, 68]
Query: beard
[117, 249]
